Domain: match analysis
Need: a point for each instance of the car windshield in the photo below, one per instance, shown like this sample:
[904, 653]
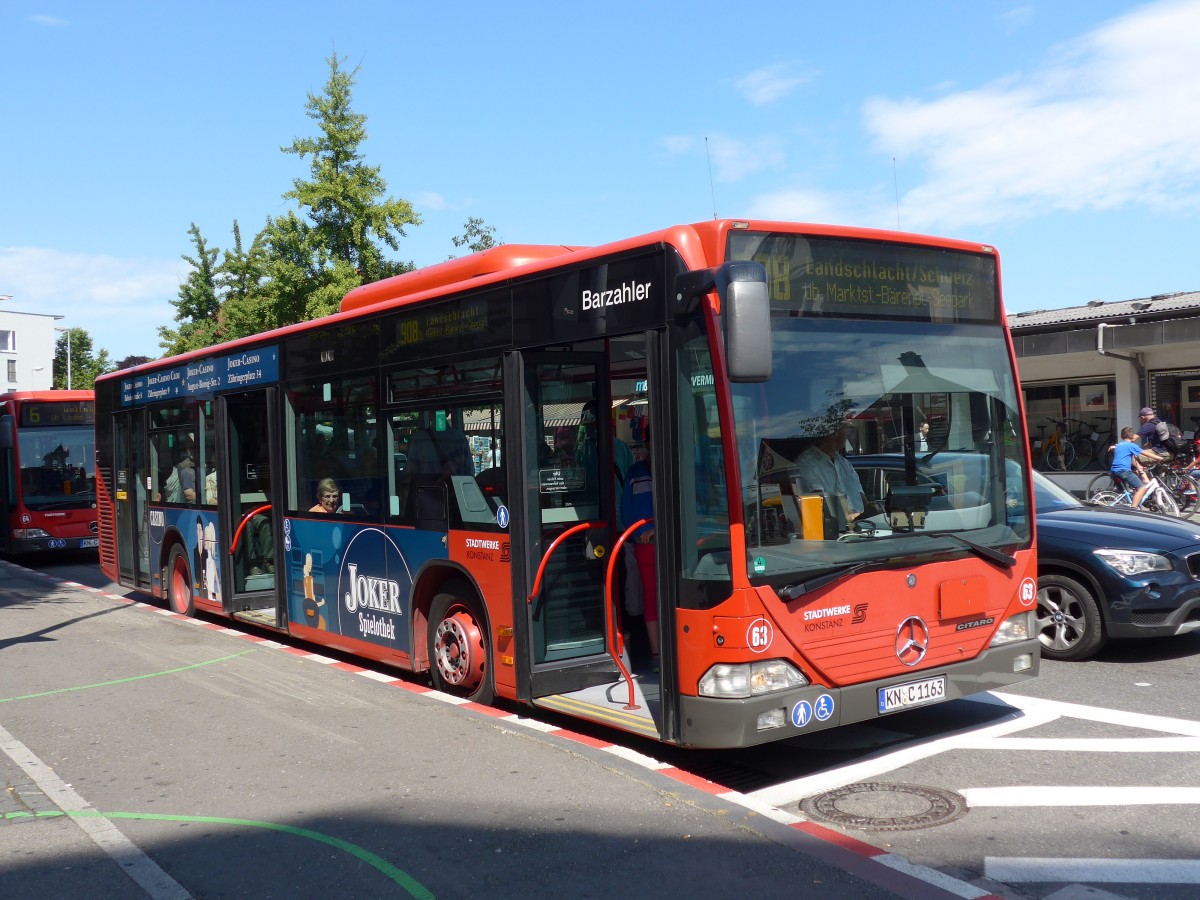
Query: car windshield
[872, 436]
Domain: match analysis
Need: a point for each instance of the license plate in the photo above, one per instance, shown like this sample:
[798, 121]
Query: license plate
[915, 693]
[89, 542]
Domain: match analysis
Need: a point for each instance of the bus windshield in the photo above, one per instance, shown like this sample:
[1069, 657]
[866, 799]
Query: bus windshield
[857, 446]
[57, 467]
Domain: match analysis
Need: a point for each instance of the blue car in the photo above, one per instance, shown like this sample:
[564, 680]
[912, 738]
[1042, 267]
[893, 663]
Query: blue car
[1110, 573]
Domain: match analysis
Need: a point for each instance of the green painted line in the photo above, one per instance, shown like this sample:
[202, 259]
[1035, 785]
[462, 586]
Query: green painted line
[410, 884]
[84, 687]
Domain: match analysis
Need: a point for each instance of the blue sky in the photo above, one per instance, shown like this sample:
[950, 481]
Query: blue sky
[1064, 132]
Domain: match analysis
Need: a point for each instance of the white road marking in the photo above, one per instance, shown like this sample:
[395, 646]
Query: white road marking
[1016, 870]
[132, 861]
[789, 792]
[1073, 795]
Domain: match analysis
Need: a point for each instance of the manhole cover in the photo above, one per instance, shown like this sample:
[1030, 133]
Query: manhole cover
[876, 806]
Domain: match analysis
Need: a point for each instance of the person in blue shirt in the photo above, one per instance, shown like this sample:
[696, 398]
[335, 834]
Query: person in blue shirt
[1125, 463]
[637, 502]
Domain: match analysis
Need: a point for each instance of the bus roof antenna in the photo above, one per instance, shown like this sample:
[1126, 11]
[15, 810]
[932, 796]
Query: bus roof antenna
[711, 188]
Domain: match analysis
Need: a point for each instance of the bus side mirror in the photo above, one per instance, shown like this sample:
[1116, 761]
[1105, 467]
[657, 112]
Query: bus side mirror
[745, 310]
[6, 433]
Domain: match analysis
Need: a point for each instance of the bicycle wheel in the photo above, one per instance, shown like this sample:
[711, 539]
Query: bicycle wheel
[1060, 456]
[1085, 450]
[1108, 498]
[1102, 482]
[1183, 490]
[1161, 501]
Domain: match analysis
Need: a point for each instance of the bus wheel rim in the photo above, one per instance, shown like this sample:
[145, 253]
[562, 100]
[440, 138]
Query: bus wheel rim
[458, 648]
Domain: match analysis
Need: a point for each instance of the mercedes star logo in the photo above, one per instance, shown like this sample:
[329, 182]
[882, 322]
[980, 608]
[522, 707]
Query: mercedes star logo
[912, 641]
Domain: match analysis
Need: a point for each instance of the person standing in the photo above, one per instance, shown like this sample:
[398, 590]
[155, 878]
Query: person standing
[637, 502]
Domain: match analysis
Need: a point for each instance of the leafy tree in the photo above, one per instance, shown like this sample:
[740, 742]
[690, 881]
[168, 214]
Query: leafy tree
[344, 199]
[197, 304]
[302, 262]
[130, 361]
[476, 236]
[85, 366]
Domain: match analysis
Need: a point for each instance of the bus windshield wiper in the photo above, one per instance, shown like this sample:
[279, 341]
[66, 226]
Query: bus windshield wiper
[795, 591]
[1003, 560]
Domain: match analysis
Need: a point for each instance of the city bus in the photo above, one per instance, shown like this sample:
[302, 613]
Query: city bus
[434, 478]
[47, 471]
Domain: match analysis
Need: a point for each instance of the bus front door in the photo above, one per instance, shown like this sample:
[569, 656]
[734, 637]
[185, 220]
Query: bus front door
[568, 520]
[250, 516]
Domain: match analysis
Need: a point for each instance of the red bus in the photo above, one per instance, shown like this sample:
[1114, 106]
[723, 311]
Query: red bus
[47, 471]
[837, 529]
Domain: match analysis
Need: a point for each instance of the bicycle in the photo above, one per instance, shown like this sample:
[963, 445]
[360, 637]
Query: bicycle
[1083, 442]
[1053, 452]
[1156, 499]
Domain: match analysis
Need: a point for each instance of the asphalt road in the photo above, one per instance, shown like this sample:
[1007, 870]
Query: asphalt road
[147, 754]
[1084, 782]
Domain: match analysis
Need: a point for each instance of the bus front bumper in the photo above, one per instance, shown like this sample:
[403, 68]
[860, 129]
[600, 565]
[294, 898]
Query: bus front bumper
[719, 723]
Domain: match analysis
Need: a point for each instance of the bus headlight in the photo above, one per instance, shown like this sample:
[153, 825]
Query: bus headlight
[1014, 628]
[29, 534]
[740, 680]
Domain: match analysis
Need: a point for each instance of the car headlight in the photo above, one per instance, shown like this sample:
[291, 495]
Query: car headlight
[739, 680]
[1014, 628]
[1134, 562]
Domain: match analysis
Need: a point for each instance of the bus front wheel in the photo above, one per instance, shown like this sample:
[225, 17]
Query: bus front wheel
[458, 648]
[179, 583]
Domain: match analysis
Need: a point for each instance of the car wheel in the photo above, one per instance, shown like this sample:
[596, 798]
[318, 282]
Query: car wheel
[1069, 625]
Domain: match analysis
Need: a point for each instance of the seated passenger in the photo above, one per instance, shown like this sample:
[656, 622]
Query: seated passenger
[329, 498]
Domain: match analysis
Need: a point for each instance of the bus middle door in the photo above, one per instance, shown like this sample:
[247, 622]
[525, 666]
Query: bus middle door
[249, 500]
[568, 519]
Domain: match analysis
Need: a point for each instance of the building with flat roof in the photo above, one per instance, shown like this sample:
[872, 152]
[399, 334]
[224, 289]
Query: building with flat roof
[1088, 370]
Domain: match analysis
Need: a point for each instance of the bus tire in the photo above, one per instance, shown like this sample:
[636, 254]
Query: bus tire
[459, 652]
[179, 583]
[1069, 624]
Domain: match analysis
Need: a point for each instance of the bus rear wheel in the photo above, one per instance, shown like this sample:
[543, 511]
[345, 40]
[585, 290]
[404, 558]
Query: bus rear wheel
[179, 583]
[459, 655]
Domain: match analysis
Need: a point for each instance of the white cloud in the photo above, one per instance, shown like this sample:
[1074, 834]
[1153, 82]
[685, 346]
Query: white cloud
[765, 85]
[120, 302]
[1110, 122]
[429, 200]
[50, 21]
[732, 159]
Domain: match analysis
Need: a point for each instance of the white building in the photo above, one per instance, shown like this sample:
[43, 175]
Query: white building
[1087, 371]
[26, 351]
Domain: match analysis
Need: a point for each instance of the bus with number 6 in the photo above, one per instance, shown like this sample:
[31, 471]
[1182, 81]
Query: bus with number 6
[716, 485]
[47, 471]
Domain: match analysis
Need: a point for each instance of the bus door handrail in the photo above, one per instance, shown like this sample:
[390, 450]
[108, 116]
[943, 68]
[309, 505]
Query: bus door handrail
[537, 581]
[242, 526]
[611, 621]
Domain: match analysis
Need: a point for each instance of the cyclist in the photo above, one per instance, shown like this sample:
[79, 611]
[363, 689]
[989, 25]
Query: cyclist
[1126, 463]
[1153, 433]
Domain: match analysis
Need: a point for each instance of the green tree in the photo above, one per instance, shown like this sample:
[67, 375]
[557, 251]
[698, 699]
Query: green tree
[476, 236]
[303, 262]
[84, 367]
[344, 198]
[197, 304]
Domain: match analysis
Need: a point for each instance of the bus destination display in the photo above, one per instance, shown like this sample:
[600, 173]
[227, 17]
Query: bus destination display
[827, 277]
[47, 415]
